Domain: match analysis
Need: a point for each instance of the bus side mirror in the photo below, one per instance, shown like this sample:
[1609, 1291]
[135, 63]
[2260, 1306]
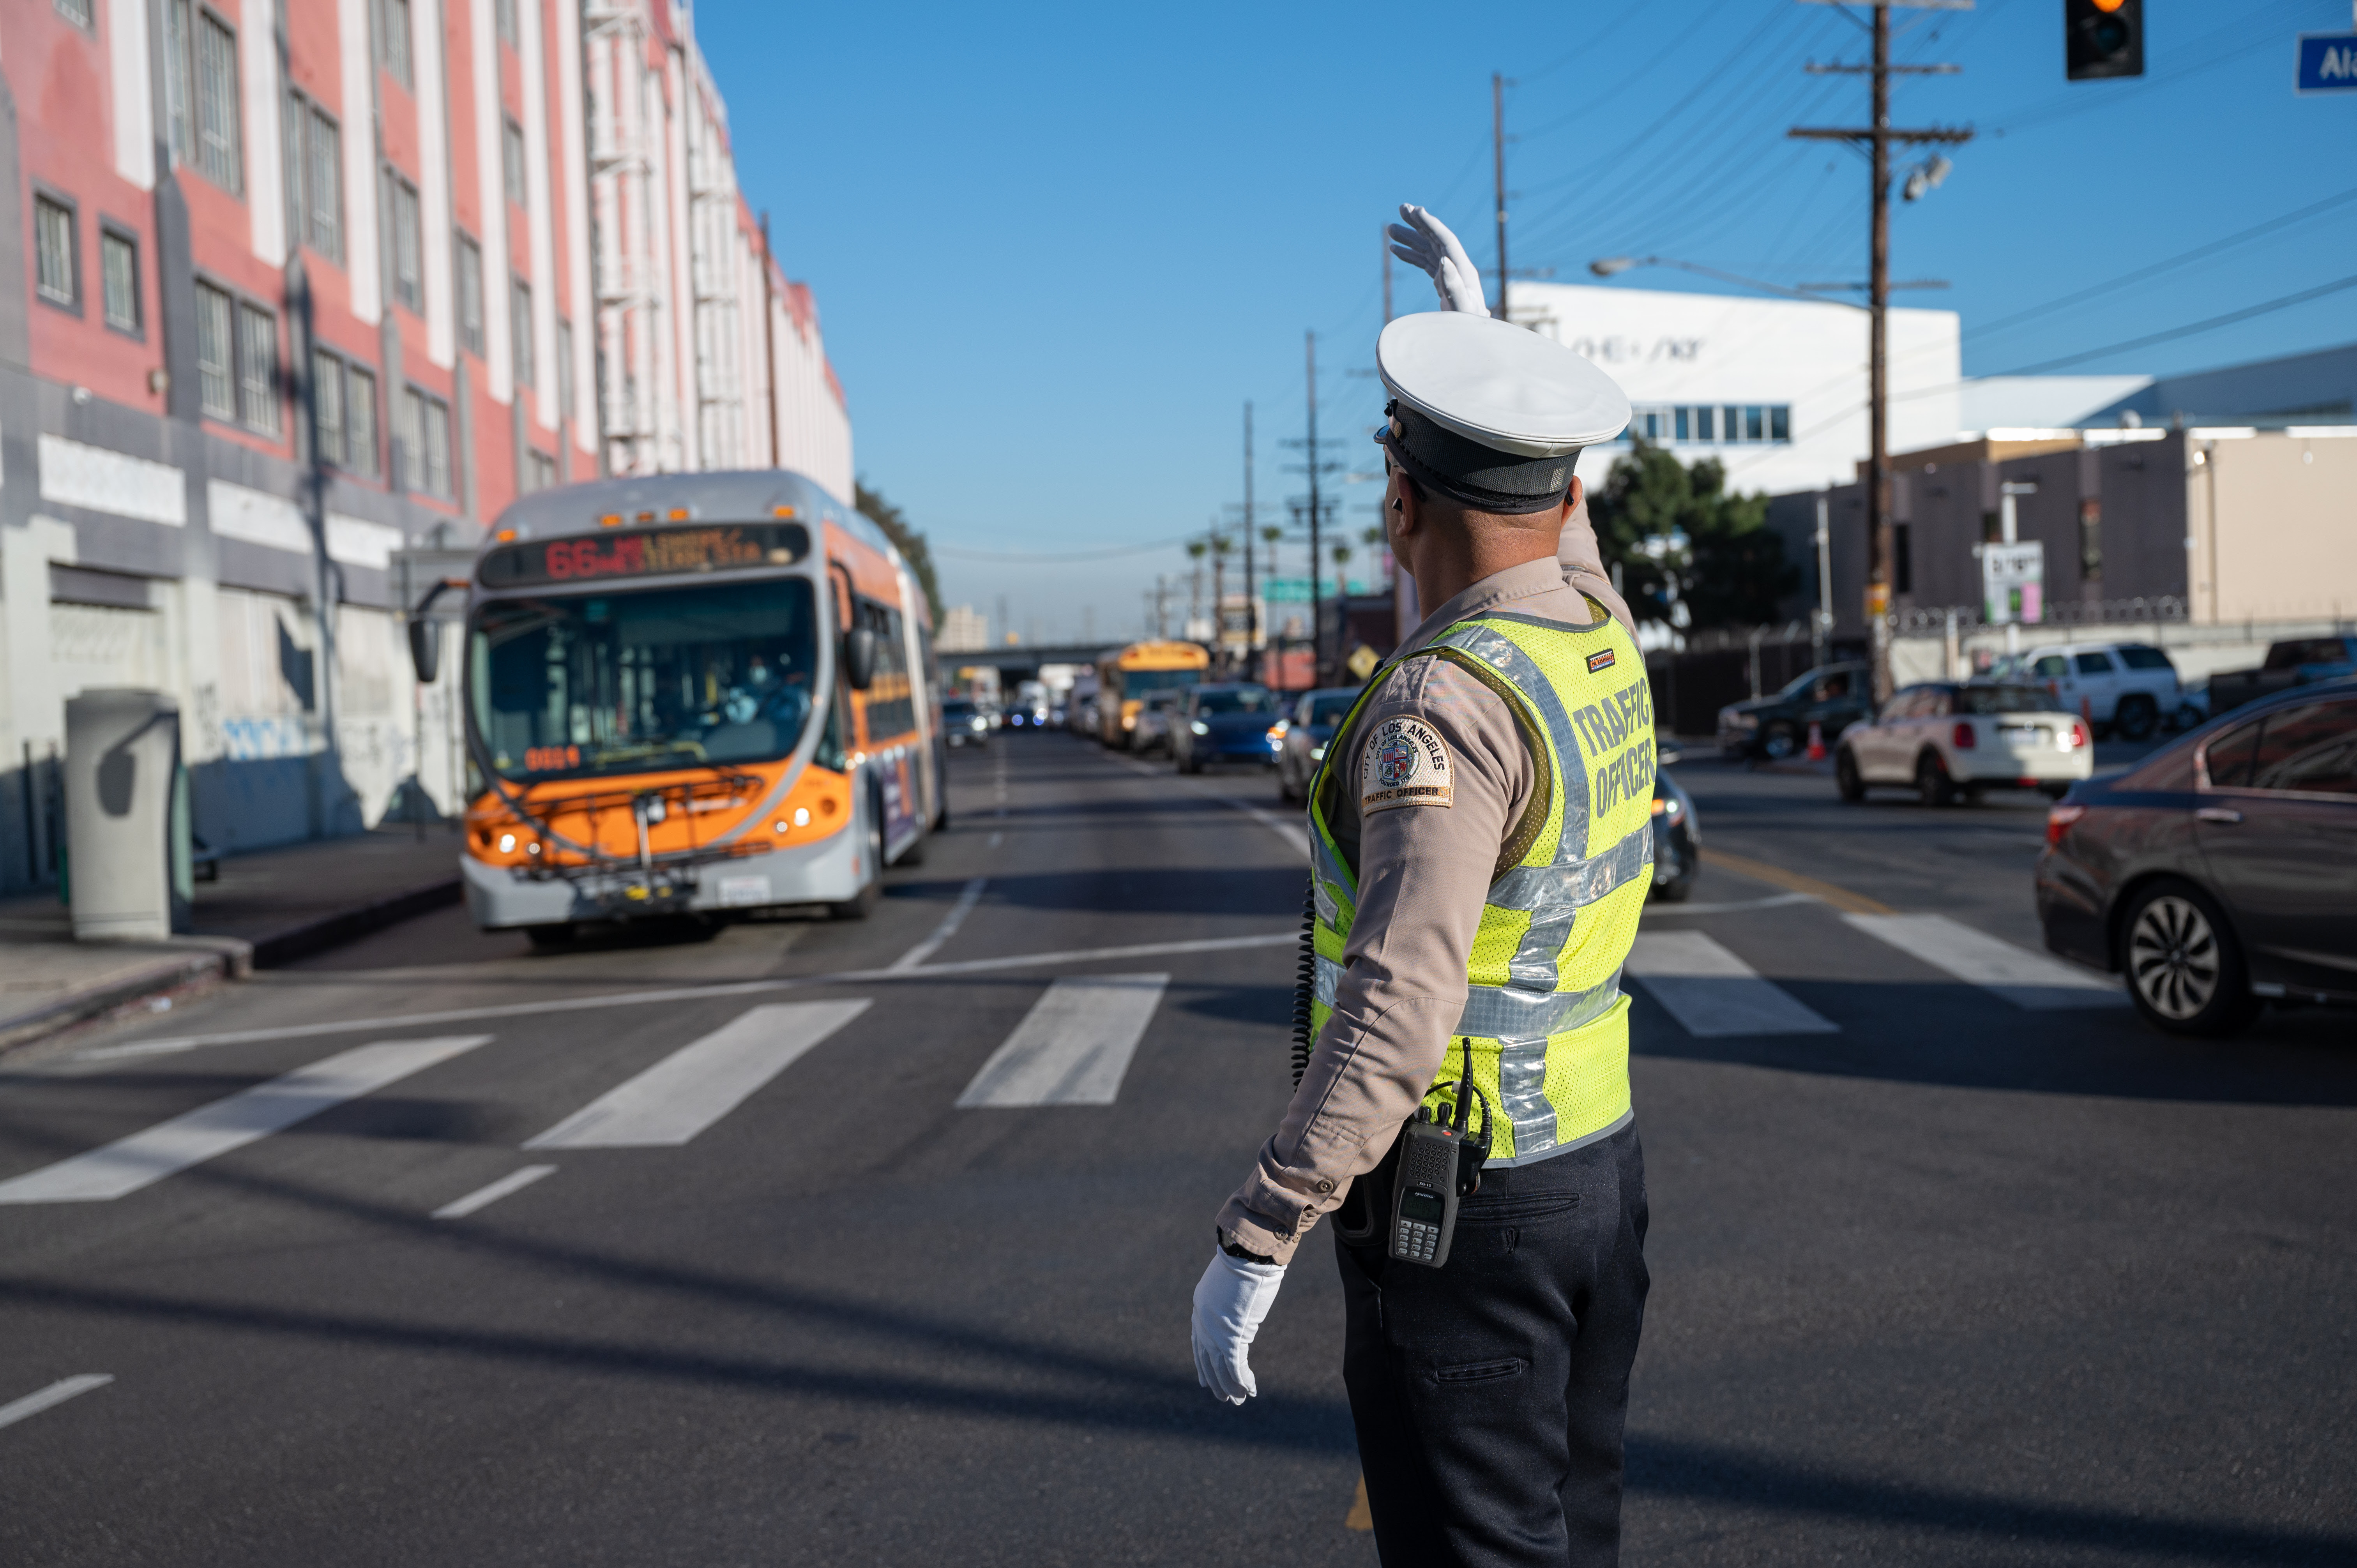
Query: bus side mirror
[424, 649]
[859, 656]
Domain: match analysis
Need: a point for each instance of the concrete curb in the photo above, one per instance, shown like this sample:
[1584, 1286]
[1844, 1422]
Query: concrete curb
[228, 958]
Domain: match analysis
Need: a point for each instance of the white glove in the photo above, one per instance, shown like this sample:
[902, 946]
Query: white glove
[1230, 1300]
[1427, 241]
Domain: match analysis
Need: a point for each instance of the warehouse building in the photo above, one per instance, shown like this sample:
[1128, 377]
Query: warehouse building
[289, 292]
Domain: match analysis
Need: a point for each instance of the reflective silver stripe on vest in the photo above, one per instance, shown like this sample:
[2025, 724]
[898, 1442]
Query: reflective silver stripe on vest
[1330, 980]
[1528, 1156]
[1523, 673]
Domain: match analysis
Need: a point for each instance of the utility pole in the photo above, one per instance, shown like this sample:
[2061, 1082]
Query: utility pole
[1317, 621]
[1498, 157]
[1252, 606]
[1877, 138]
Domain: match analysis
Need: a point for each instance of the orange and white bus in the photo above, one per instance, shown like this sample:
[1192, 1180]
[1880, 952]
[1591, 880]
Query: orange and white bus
[691, 694]
[1124, 675]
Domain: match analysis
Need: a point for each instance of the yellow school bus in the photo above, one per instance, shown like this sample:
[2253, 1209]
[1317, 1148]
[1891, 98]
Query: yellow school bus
[1124, 675]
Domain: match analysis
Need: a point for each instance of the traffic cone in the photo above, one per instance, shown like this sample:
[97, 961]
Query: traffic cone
[1816, 743]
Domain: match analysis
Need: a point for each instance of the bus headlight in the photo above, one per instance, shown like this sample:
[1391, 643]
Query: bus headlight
[507, 843]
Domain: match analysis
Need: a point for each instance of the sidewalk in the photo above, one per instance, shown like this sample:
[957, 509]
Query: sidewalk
[265, 910]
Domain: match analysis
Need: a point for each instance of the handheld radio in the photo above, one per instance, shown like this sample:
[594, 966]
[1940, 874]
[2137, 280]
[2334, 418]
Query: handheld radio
[1439, 1163]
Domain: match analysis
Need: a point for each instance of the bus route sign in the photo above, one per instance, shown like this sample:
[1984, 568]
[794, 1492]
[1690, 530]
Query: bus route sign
[647, 552]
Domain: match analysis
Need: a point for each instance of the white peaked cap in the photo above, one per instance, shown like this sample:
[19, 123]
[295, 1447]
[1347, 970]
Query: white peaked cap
[1499, 385]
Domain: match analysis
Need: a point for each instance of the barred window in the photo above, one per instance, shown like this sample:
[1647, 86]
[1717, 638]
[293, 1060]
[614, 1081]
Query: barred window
[520, 330]
[563, 368]
[437, 446]
[257, 368]
[56, 277]
[471, 295]
[216, 383]
[539, 471]
[118, 261]
[78, 12]
[327, 402]
[360, 421]
[325, 152]
[291, 164]
[408, 253]
[409, 438]
[505, 13]
[218, 152]
[424, 436]
[392, 38]
[512, 161]
[179, 87]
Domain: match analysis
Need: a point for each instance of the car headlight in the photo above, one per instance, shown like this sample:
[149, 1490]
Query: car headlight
[1667, 806]
[1316, 754]
[1199, 727]
[1129, 721]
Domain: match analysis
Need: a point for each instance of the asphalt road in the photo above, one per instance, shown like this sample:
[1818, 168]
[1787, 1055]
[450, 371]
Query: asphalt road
[1964, 1271]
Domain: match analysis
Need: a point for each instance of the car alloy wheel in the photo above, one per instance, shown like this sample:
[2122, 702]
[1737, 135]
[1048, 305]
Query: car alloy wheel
[2173, 959]
[1781, 741]
[2135, 718]
[1931, 781]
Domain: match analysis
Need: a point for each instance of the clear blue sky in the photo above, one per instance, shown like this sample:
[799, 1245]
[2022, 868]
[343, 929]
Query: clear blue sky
[1055, 248]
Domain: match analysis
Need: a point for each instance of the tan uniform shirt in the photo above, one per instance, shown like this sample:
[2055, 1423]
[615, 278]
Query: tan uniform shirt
[1424, 871]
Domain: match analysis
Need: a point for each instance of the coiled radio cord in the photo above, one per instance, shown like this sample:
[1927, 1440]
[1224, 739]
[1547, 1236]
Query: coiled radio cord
[1304, 983]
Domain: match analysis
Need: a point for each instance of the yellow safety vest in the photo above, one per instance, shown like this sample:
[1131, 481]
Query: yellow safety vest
[1544, 1009]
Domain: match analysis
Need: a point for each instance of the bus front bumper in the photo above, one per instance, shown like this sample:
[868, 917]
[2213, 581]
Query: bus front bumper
[830, 871]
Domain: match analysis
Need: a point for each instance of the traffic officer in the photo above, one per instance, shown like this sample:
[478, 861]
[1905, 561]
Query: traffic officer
[1480, 848]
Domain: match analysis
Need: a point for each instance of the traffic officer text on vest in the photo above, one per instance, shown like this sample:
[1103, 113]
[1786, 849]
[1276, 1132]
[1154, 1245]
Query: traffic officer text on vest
[1482, 848]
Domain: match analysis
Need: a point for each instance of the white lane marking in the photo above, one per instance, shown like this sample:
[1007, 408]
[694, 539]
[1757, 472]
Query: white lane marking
[484, 1197]
[57, 1393]
[1291, 833]
[1735, 908]
[1713, 992]
[2024, 978]
[947, 929]
[129, 1164]
[1072, 1047]
[701, 1082]
[1064, 959]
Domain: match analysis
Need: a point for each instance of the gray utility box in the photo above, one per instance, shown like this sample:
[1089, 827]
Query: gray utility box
[128, 869]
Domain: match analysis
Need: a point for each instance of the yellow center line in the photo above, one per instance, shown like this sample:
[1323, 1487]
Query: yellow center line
[1841, 898]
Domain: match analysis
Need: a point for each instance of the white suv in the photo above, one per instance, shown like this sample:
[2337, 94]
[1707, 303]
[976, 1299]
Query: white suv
[1956, 740]
[2125, 687]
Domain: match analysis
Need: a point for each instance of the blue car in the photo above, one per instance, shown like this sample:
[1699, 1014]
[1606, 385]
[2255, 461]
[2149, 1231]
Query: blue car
[1223, 723]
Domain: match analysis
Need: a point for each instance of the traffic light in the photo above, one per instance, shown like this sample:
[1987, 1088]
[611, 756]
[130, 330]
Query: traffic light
[2103, 37]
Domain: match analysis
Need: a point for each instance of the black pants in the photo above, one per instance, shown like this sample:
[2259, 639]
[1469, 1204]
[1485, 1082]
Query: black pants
[1488, 1395]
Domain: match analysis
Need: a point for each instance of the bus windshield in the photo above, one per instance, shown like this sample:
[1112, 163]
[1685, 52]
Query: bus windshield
[639, 681]
[1134, 682]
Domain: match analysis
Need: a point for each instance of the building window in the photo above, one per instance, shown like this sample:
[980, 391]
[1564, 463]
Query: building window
[512, 161]
[216, 381]
[540, 470]
[519, 331]
[1902, 559]
[471, 295]
[505, 13]
[328, 404]
[1704, 425]
[1755, 422]
[257, 368]
[424, 434]
[563, 368]
[315, 192]
[408, 252]
[118, 266]
[218, 154]
[1779, 422]
[78, 12]
[360, 421]
[392, 38]
[58, 275]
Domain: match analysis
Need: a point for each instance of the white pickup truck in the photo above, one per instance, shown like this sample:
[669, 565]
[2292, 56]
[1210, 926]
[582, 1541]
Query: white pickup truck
[2126, 688]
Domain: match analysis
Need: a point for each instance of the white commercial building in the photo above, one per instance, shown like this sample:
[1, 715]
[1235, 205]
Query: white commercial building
[1775, 389]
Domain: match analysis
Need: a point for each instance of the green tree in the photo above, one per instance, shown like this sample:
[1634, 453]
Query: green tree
[1677, 534]
[908, 541]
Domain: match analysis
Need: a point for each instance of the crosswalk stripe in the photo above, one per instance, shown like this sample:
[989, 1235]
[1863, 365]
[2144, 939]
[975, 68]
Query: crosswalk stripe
[1713, 992]
[145, 1157]
[701, 1082]
[2024, 978]
[50, 1398]
[1072, 1047]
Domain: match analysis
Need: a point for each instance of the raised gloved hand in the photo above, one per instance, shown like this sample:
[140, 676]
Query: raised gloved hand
[1427, 241]
[1230, 1300]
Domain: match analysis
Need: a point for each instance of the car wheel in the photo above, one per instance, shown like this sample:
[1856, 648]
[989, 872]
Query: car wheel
[2184, 967]
[1932, 781]
[1846, 777]
[2135, 718]
[551, 939]
[1779, 741]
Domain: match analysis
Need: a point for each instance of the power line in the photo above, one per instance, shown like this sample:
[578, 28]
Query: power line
[2302, 298]
[2197, 253]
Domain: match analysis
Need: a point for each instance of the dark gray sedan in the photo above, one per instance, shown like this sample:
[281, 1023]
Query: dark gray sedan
[2221, 871]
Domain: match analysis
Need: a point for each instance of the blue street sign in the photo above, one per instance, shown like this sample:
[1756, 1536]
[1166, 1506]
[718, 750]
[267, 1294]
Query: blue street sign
[2328, 63]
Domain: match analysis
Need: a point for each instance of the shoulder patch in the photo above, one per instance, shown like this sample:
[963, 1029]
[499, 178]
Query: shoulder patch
[1403, 763]
[1598, 662]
